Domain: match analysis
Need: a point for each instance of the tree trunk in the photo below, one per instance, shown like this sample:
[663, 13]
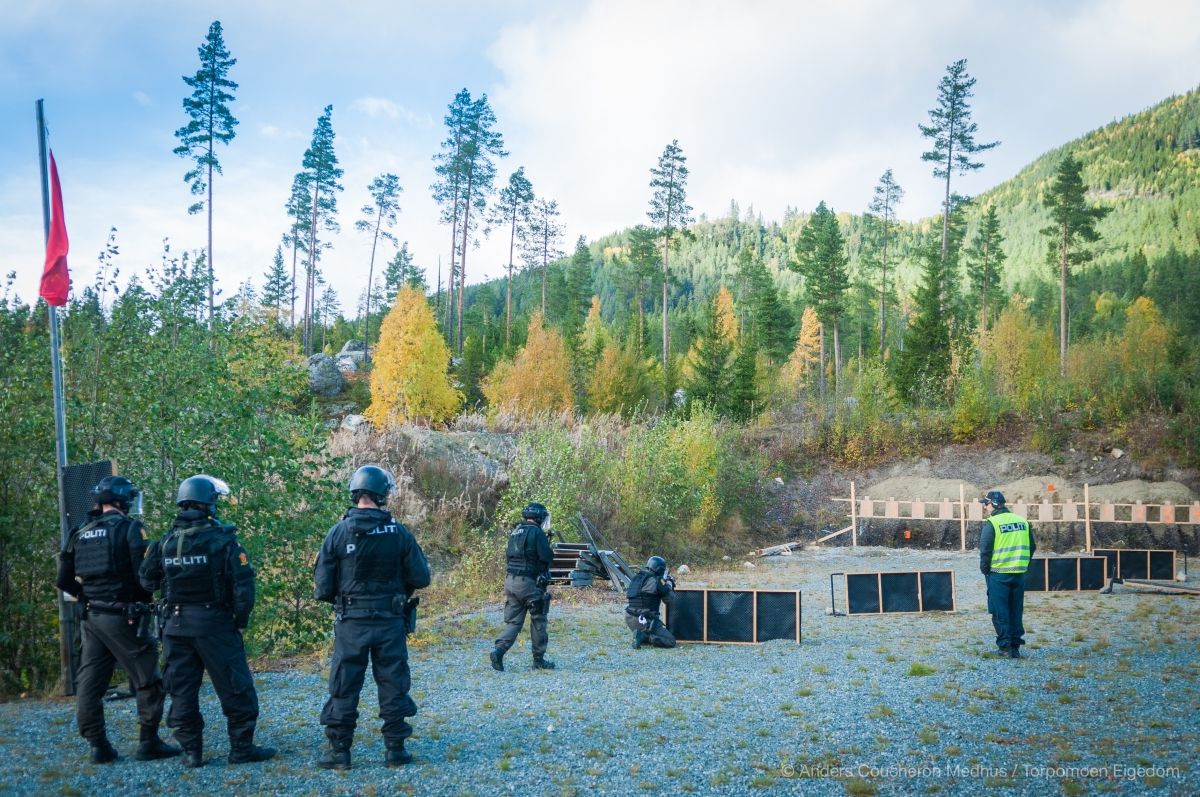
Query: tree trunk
[370, 277]
[211, 277]
[837, 359]
[883, 295]
[462, 271]
[821, 363]
[292, 312]
[666, 334]
[309, 299]
[1062, 302]
[512, 238]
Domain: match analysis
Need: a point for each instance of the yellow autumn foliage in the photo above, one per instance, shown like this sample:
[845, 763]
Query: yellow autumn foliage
[727, 321]
[410, 379]
[537, 380]
[801, 366]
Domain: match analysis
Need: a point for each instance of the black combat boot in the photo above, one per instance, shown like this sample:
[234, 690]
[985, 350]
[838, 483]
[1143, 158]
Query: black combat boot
[250, 754]
[150, 747]
[103, 752]
[1014, 652]
[639, 639]
[497, 659]
[193, 757]
[542, 663]
[334, 757]
[397, 756]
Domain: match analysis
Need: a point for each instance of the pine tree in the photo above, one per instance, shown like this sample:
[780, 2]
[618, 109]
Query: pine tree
[1074, 224]
[409, 381]
[210, 122]
[670, 214]
[299, 210]
[544, 235]
[882, 214]
[923, 366]
[579, 290]
[399, 272]
[953, 135]
[769, 322]
[641, 272]
[321, 178]
[512, 210]
[378, 219]
[821, 258]
[984, 262]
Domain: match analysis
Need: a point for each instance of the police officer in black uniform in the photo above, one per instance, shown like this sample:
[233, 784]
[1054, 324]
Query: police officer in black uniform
[99, 566]
[208, 593]
[528, 557]
[369, 567]
[651, 586]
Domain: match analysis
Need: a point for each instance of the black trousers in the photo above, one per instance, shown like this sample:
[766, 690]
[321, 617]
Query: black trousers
[380, 641]
[109, 640]
[1006, 602]
[652, 633]
[221, 654]
[521, 597]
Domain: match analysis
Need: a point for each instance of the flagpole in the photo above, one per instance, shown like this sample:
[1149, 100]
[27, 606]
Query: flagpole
[66, 613]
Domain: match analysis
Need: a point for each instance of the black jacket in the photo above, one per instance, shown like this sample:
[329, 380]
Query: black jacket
[228, 570]
[369, 554]
[124, 540]
[529, 553]
[646, 590]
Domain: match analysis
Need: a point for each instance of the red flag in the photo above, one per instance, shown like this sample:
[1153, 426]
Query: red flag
[56, 283]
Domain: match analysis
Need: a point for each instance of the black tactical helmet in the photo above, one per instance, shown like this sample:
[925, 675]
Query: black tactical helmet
[657, 565]
[995, 498]
[115, 490]
[201, 489]
[535, 512]
[373, 480]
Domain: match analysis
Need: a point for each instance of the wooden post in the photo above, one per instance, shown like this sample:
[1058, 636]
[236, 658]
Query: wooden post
[853, 517]
[962, 517]
[1087, 519]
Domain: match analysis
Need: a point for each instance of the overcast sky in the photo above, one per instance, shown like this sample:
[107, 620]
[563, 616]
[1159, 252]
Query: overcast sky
[775, 104]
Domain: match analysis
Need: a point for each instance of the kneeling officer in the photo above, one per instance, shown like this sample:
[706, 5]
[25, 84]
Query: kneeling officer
[650, 587]
[368, 567]
[208, 594]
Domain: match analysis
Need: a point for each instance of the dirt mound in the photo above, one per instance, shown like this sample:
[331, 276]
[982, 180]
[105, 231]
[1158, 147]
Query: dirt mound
[1031, 489]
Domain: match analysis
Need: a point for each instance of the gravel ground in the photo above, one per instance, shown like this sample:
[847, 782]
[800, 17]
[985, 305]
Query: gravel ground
[1107, 701]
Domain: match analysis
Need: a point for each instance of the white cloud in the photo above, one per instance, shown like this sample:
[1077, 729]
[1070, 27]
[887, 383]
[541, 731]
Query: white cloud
[142, 99]
[375, 107]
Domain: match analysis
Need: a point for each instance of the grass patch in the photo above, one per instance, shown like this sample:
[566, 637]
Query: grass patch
[917, 670]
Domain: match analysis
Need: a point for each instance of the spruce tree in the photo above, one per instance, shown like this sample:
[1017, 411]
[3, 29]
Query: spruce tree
[1073, 225]
[378, 219]
[821, 258]
[923, 367]
[670, 214]
[545, 233]
[708, 363]
[641, 273]
[953, 135]
[299, 210]
[579, 290]
[768, 322]
[209, 122]
[742, 401]
[984, 262]
[399, 272]
[277, 287]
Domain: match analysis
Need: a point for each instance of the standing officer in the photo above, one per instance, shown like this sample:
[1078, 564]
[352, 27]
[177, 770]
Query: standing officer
[208, 594]
[529, 557]
[99, 566]
[651, 586]
[369, 566]
[1006, 545]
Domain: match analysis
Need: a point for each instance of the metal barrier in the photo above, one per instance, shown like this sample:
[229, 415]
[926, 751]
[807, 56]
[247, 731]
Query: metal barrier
[734, 616]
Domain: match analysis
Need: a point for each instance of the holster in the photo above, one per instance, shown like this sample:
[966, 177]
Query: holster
[407, 608]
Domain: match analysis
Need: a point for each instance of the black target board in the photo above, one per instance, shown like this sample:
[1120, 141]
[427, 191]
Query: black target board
[900, 592]
[1140, 563]
[1066, 573]
[733, 616]
[685, 616]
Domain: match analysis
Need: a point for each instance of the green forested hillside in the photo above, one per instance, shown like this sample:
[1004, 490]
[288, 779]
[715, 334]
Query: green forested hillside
[1146, 167]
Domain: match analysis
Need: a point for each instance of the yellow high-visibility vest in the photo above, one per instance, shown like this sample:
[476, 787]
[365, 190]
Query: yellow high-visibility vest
[1010, 552]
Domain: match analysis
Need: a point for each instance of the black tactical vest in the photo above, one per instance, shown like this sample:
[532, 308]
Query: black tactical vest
[194, 564]
[374, 563]
[643, 592]
[95, 550]
[522, 555]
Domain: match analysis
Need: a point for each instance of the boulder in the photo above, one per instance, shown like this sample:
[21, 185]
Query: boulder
[354, 422]
[352, 346]
[348, 365]
[324, 377]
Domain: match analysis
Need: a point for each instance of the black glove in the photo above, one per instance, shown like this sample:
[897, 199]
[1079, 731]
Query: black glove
[669, 581]
[543, 581]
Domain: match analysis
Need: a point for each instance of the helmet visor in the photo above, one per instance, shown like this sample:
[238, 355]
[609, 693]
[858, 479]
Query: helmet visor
[219, 486]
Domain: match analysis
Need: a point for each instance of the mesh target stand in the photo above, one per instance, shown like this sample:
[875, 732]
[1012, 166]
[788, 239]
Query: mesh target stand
[734, 616]
[78, 481]
[1139, 563]
[1065, 574]
[900, 592]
